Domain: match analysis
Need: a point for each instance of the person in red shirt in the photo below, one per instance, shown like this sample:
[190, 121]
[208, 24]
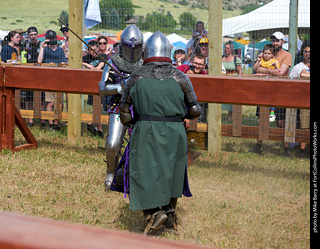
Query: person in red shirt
[197, 65]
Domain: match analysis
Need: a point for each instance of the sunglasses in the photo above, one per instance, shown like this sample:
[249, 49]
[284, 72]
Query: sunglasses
[64, 30]
[102, 43]
[180, 52]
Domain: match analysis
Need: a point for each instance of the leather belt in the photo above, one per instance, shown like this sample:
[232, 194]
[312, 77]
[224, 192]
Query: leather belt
[160, 118]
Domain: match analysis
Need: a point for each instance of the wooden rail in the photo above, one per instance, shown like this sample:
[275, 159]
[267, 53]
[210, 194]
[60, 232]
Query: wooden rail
[212, 89]
[26, 232]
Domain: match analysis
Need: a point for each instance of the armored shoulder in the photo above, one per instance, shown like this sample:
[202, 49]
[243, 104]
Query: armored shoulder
[186, 86]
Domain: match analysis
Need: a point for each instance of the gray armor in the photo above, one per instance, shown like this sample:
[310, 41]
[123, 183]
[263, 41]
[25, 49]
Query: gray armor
[158, 46]
[157, 65]
[131, 43]
[126, 61]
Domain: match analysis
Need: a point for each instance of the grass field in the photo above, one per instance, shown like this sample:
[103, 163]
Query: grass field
[240, 200]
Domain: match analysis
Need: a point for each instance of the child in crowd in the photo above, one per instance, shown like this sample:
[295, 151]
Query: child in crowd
[266, 60]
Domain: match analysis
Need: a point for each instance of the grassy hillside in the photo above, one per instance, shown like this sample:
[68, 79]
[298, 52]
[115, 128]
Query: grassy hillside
[44, 13]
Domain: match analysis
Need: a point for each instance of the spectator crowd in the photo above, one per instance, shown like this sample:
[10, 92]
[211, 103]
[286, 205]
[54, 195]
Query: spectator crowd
[191, 59]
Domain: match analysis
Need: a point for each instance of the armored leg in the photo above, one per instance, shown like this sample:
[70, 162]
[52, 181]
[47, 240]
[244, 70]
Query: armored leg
[113, 147]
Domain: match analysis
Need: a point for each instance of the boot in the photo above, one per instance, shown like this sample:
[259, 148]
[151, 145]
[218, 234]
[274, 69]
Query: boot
[155, 221]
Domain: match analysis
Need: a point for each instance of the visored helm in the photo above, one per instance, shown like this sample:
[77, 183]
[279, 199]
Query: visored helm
[157, 45]
[131, 43]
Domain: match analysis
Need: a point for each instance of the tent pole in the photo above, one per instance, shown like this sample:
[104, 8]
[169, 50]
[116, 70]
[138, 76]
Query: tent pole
[293, 28]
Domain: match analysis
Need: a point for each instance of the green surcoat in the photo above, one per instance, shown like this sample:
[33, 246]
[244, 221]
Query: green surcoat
[158, 149]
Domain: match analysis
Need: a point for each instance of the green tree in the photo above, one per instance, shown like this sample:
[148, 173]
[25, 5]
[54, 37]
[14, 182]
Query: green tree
[187, 21]
[159, 21]
[114, 19]
[114, 13]
[64, 16]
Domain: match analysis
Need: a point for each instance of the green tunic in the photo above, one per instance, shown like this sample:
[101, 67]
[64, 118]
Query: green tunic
[158, 150]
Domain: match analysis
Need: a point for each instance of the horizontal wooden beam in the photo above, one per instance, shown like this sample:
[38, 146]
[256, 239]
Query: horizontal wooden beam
[53, 79]
[226, 129]
[212, 89]
[85, 117]
[252, 91]
[26, 232]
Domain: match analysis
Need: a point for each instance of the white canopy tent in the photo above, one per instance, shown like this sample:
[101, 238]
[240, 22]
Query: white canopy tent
[3, 34]
[267, 19]
[146, 36]
[176, 38]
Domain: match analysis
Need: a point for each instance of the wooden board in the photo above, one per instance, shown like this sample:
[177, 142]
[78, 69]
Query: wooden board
[26, 232]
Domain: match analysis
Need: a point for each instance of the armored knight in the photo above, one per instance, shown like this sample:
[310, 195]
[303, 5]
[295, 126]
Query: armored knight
[156, 99]
[125, 62]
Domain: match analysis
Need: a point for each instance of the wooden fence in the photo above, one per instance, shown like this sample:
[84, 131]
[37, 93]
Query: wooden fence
[211, 89]
[26, 232]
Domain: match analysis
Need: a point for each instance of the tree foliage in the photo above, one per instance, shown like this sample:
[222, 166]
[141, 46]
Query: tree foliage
[187, 21]
[114, 13]
[64, 16]
[159, 21]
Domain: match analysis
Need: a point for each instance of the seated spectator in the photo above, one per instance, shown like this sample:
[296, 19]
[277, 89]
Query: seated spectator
[8, 52]
[179, 56]
[51, 53]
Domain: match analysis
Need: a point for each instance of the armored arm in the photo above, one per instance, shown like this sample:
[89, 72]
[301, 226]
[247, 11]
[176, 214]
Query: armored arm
[194, 109]
[106, 84]
[126, 115]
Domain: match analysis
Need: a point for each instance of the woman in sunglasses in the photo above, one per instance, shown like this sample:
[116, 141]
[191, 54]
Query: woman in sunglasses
[103, 47]
[65, 44]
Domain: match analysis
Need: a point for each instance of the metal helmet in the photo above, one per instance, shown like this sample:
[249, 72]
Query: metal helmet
[131, 43]
[157, 45]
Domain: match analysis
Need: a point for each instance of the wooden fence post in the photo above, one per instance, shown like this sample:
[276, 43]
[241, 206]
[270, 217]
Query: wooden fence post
[75, 61]
[290, 125]
[215, 59]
